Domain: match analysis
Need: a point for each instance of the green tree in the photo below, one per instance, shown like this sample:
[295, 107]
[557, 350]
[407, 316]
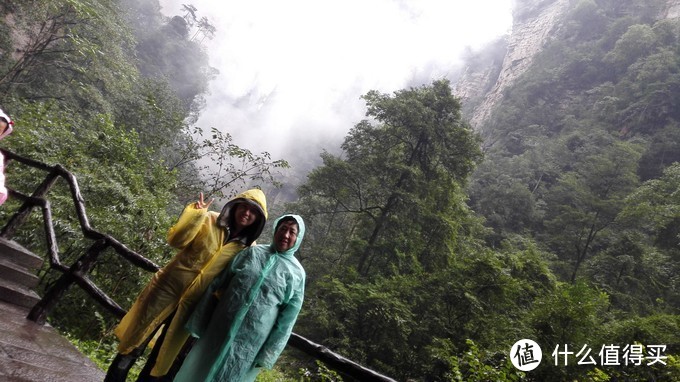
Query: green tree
[402, 169]
[656, 329]
[655, 205]
[126, 195]
[651, 216]
[638, 41]
[481, 296]
[223, 166]
[568, 316]
[509, 191]
[76, 52]
[587, 199]
[478, 365]
[663, 150]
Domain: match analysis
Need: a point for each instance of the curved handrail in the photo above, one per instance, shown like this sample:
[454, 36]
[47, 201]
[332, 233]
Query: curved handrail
[76, 273]
[79, 204]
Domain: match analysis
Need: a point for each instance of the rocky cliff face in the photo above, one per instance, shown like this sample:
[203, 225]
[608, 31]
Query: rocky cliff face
[534, 21]
[673, 10]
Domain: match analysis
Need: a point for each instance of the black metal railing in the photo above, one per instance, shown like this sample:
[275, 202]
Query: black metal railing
[77, 273]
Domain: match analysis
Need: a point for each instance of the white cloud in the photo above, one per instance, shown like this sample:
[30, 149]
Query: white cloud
[292, 72]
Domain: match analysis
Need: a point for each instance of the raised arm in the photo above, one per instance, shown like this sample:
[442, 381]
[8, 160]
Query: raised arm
[189, 223]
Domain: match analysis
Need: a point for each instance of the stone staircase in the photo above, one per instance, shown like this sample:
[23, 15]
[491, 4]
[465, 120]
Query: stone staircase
[30, 352]
[18, 267]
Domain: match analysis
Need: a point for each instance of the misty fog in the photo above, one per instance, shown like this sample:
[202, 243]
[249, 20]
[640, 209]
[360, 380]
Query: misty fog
[291, 75]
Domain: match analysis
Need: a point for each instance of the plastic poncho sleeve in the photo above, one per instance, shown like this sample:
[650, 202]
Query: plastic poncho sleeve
[176, 334]
[187, 227]
[199, 320]
[278, 337]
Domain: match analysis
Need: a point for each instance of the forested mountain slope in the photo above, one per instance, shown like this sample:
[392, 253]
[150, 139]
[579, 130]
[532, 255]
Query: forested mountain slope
[581, 134]
[571, 236]
[604, 83]
[535, 23]
[577, 111]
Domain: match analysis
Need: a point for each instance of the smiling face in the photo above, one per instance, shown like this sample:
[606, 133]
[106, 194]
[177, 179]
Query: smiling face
[244, 215]
[286, 235]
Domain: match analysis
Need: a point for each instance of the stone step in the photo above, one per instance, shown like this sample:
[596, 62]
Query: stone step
[33, 352]
[17, 294]
[18, 274]
[14, 252]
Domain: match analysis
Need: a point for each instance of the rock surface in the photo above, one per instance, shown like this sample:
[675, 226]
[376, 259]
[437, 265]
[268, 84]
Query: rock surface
[534, 21]
[32, 352]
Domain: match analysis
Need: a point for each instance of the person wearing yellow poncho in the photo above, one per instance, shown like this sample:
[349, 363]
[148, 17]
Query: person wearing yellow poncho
[207, 241]
[246, 316]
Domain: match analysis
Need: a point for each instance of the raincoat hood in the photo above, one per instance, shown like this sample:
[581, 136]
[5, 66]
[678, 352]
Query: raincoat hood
[253, 197]
[300, 235]
[10, 123]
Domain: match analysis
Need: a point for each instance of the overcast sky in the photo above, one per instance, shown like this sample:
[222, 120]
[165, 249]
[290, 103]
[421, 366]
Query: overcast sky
[292, 72]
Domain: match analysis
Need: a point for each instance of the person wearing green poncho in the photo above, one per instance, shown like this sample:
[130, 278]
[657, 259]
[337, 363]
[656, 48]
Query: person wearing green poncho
[246, 316]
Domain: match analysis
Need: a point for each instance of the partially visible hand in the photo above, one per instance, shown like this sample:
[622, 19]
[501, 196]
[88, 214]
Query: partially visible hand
[201, 204]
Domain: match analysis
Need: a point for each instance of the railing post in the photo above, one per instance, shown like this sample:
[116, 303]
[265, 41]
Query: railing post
[83, 265]
[24, 211]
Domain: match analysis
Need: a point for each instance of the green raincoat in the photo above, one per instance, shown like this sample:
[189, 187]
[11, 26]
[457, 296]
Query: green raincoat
[201, 236]
[248, 326]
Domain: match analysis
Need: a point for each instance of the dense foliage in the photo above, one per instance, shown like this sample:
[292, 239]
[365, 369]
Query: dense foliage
[570, 233]
[581, 156]
[427, 256]
[85, 84]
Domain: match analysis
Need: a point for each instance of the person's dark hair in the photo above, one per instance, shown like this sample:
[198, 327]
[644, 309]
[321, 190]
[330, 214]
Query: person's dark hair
[286, 219]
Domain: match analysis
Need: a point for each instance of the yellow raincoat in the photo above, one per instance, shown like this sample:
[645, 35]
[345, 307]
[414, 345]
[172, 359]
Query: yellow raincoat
[200, 235]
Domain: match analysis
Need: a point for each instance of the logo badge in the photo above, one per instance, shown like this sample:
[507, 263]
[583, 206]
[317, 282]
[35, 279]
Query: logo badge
[526, 355]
